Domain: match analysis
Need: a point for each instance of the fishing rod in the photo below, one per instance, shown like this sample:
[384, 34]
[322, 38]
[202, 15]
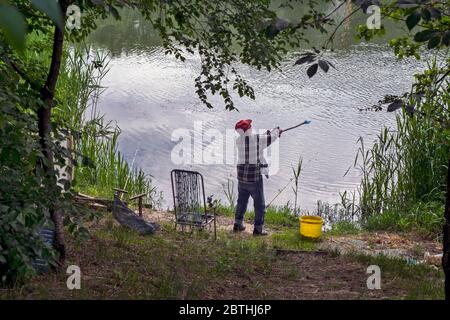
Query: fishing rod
[298, 125]
[280, 191]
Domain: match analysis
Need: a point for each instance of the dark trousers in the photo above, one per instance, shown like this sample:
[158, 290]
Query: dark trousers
[256, 191]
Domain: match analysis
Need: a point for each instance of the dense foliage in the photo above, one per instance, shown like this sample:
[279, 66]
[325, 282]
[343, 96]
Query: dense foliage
[407, 165]
[222, 32]
[406, 175]
[25, 191]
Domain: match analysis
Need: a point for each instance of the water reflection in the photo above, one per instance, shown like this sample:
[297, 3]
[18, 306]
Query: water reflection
[150, 95]
[134, 34]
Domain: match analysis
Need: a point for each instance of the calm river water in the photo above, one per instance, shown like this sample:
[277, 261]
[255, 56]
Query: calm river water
[151, 95]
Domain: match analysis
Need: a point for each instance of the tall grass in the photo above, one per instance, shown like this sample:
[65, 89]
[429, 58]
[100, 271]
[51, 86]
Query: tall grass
[296, 171]
[407, 166]
[230, 193]
[99, 165]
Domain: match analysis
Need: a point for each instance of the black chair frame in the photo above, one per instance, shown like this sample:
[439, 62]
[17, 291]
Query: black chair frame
[189, 201]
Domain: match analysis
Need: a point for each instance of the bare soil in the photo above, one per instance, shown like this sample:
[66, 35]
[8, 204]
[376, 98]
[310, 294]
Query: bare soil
[306, 275]
[118, 264]
[223, 223]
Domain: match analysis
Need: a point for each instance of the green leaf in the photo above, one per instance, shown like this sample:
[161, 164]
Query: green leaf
[312, 70]
[52, 9]
[20, 218]
[426, 14]
[413, 19]
[397, 104]
[434, 42]
[435, 13]
[304, 59]
[446, 39]
[324, 65]
[424, 35]
[13, 25]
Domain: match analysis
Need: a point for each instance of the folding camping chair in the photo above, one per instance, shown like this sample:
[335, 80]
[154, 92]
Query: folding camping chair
[189, 201]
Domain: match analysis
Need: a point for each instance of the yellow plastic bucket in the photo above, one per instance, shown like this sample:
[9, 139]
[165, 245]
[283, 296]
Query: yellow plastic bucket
[311, 226]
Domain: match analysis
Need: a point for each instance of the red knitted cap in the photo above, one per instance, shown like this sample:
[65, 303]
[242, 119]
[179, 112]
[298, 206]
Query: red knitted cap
[243, 124]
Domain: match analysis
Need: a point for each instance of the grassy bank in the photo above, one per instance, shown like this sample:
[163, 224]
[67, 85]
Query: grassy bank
[117, 263]
[423, 218]
[424, 283]
[275, 216]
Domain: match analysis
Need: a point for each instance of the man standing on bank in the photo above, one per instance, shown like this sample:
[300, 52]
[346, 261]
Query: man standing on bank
[250, 169]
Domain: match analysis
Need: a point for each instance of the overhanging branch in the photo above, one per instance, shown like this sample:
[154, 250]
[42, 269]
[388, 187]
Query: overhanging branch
[33, 84]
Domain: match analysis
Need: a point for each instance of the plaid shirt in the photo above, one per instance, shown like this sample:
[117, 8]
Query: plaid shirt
[251, 164]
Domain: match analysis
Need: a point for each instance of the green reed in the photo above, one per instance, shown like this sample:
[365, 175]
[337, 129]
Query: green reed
[407, 165]
[100, 166]
[296, 171]
[229, 191]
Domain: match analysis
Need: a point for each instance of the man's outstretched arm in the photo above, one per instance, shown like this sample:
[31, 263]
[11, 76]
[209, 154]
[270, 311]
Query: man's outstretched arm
[270, 136]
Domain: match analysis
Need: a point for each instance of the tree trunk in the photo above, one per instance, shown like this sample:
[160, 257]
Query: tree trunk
[446, 239]
[44, 124]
